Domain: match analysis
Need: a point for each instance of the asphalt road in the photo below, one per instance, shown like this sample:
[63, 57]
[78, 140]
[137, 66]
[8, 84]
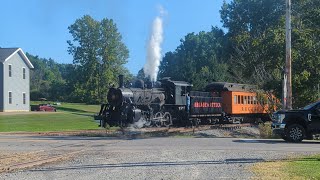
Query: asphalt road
[150, 158]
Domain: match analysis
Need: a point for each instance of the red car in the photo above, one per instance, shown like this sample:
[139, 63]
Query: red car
[43, 107]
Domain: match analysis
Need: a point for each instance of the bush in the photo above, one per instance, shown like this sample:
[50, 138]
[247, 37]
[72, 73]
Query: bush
[266, 131]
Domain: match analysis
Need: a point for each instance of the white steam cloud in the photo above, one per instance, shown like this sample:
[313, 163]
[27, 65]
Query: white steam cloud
[151, 67]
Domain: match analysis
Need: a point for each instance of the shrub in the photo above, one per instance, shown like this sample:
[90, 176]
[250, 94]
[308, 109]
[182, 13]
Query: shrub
[266, 131]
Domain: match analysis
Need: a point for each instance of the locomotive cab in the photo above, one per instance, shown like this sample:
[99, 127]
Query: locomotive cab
[175, 91]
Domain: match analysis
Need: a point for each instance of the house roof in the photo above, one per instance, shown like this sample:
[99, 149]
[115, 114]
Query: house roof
[7, 53]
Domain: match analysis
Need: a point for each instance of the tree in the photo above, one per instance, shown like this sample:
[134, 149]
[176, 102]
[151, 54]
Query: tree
[256, 32]
[98, 55]
[46, 80]
[198, 59]
[251, 17]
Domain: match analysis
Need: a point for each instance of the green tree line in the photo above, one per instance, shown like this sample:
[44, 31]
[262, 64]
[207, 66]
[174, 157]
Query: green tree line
[99, 56]
[249, 48]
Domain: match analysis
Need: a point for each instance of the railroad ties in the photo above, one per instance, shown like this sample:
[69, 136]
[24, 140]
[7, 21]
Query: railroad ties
[231, 126]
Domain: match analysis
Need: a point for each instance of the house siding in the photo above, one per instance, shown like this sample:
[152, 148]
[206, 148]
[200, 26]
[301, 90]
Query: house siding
[16, 84]
[1, 87]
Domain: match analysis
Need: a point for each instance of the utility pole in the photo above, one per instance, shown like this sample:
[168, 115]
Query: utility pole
[288, 96]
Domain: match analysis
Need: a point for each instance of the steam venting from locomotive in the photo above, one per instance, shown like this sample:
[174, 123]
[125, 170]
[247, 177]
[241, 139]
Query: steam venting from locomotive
[153, 58]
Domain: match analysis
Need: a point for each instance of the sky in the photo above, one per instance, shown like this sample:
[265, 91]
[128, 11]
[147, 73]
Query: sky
[40, 27]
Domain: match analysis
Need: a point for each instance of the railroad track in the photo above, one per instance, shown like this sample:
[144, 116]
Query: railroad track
[232, 126]
[150, 130]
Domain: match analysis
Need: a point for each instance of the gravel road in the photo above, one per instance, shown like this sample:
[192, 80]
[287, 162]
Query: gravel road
[149, 158]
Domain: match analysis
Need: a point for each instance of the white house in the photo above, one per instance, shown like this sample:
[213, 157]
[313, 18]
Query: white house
[14, 80]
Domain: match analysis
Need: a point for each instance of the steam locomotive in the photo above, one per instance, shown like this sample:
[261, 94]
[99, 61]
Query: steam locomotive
[164, 103]
[169, 102]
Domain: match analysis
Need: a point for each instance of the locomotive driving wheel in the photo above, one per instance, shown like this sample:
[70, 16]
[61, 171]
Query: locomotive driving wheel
[147, 123]
[166, 120]
[158, 119]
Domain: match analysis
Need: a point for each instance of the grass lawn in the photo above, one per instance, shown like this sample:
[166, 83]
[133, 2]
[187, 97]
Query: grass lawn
[69, 116]
[307, 167]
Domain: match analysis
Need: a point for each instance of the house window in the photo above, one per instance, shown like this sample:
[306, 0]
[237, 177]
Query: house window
[10, 97]
[24, 73]
[24, 98]
[10, 70]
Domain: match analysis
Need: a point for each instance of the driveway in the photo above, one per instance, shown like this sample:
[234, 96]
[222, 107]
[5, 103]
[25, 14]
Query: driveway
[150, 158]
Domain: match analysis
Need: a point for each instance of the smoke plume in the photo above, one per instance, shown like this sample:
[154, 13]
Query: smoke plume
[153, 58]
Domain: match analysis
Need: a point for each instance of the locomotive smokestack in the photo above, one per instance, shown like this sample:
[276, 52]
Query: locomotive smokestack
[121, 81]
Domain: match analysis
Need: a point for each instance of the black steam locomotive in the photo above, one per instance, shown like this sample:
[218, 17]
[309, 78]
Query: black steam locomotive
[164, 103]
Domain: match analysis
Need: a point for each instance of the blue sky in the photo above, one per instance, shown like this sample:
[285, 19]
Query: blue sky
[40, 27]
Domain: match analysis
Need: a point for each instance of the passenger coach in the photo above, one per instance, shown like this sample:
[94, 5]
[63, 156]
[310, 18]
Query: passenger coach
[239, 101]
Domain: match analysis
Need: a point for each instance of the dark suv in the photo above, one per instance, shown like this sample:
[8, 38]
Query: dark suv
[296, 125]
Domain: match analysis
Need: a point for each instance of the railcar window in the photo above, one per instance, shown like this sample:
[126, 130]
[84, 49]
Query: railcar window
[239, 99]
[183, 91]
[245, 100]
[235, 100]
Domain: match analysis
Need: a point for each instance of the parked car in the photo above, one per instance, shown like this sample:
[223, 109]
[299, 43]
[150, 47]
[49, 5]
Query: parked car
[299, 124]
[57, 103]
[43, 107]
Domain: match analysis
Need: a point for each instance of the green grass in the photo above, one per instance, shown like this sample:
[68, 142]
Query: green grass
[306, 167]
[69, 116]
